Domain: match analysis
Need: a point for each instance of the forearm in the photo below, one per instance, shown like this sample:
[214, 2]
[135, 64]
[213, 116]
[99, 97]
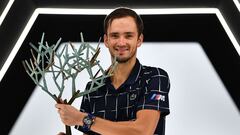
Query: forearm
[145, 124]
[107, 127]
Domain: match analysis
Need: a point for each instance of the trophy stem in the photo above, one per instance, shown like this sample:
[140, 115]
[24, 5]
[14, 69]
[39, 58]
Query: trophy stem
[68, 130]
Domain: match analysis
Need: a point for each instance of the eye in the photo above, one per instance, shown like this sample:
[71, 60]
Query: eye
[114, 36]
[128, 36]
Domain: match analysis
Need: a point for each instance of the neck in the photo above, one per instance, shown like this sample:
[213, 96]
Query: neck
[121, 72]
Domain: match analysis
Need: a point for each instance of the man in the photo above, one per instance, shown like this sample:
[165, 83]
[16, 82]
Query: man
[134, 101]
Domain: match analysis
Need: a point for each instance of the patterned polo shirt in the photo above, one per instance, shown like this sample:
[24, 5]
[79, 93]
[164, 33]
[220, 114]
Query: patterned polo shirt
[146, 88]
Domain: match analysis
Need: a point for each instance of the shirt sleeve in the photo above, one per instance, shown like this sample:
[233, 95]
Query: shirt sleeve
[155, 92]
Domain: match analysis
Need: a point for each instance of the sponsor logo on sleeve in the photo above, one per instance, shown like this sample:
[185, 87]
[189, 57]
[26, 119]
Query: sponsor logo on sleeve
[158, 97]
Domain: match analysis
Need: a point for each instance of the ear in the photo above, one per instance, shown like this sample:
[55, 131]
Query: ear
[140, 40]
[105, 39]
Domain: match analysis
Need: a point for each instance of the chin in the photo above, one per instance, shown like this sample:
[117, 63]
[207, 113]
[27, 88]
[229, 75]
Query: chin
[122, 60]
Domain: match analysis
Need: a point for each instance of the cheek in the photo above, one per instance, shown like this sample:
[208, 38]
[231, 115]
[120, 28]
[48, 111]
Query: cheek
[112, 43]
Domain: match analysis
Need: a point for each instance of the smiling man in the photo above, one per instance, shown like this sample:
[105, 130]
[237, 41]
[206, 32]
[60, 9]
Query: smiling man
[134, 101]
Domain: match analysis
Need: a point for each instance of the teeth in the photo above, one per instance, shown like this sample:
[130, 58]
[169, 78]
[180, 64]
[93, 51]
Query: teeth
[121, 49]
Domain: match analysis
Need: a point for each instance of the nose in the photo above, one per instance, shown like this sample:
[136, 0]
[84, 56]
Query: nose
[122, 41]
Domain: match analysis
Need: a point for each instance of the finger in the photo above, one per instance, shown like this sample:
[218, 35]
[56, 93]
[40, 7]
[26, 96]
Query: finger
[59, 106]
[59, 111]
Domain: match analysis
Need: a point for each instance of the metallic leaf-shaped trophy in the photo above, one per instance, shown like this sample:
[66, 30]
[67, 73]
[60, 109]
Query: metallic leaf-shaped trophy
[63, 65]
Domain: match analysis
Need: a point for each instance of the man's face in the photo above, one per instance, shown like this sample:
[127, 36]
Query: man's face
[122, 39]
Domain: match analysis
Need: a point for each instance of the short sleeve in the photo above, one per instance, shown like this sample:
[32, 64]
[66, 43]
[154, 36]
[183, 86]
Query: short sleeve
[155, 92]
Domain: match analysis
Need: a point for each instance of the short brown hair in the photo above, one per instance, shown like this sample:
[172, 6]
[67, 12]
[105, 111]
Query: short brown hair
[123, 12]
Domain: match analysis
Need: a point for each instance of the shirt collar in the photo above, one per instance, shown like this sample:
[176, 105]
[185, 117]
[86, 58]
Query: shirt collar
[132, 78]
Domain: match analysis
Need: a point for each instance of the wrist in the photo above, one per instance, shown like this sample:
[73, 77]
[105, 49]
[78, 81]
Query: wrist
[80, 121]
[88, 120]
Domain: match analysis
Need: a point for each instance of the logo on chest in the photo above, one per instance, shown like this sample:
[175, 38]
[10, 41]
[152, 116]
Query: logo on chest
[133, 96]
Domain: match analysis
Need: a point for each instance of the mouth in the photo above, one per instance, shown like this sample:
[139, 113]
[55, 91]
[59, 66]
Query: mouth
[120, 51]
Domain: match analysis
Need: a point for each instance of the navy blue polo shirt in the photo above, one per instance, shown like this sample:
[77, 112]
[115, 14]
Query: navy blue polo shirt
[146, 88]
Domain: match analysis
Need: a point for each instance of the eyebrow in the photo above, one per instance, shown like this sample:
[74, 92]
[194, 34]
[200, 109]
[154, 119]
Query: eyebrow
[114, 33]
